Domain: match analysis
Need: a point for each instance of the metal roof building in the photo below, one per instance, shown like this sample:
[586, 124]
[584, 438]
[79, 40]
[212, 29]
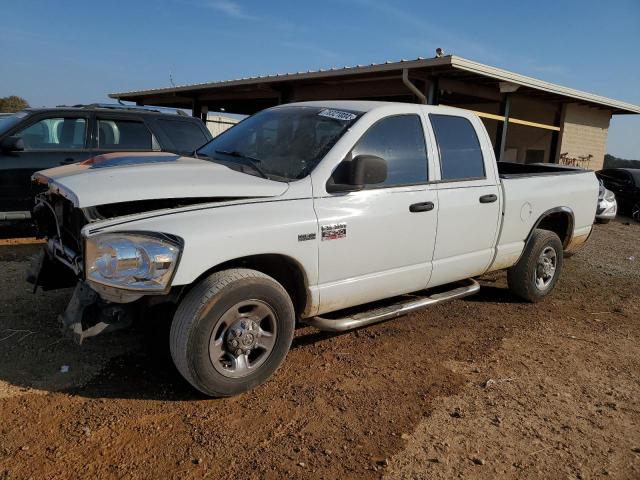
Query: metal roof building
[529, 120]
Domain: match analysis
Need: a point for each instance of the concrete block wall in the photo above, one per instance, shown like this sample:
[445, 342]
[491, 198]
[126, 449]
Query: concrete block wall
[584, 132]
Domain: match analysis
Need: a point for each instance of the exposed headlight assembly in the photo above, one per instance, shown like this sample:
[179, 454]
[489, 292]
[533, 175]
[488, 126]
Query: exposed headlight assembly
[142, 262]
[609, 196]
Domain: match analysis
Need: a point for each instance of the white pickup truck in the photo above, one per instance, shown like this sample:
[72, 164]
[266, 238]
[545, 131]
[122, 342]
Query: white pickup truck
[299, 214]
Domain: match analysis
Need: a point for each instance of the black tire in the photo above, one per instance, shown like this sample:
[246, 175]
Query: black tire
[522, 277]
[635, 211]
[603, 221]
[201, 311]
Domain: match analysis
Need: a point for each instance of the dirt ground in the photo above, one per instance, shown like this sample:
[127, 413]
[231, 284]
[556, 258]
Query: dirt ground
[485, 387]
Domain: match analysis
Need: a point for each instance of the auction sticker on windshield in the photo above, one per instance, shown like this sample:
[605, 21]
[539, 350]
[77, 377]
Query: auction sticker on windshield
[337, 114]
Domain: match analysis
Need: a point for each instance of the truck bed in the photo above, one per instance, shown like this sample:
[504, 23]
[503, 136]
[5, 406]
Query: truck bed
[518, 170]
[535, 191]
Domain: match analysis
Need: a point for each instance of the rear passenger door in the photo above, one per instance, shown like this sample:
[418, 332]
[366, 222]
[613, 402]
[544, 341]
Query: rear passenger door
[468, 197]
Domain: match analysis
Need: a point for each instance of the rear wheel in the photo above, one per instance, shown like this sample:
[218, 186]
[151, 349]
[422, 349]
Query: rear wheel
[537, 272]
[232, 331]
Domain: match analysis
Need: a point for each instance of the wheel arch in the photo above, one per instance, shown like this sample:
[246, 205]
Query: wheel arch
[559, 220]
[284, 269]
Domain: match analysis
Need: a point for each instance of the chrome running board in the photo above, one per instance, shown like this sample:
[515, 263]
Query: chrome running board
[380, 314]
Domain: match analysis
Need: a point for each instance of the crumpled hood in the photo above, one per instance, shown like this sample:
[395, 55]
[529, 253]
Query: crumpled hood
[126, 177]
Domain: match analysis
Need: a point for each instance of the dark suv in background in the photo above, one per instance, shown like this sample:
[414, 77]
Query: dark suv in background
[40, 138]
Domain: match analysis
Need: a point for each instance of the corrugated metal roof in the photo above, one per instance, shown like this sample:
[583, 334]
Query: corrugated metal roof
[452, 61]
[530, 82]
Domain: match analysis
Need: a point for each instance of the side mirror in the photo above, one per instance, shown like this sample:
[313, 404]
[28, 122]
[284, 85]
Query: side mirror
[12, 144]
[369, 170]
[361, 171]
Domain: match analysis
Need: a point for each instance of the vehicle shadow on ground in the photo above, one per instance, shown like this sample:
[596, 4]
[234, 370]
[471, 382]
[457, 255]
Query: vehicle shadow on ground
[149, 373]
[493, 294]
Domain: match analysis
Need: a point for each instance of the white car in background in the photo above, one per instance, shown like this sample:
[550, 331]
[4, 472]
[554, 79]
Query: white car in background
[607, 205]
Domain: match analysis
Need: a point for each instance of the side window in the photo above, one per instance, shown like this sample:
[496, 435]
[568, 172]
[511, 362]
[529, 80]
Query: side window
[400, 141]
[185, 136]
[115, 134]
[460, 153]
[61, 133]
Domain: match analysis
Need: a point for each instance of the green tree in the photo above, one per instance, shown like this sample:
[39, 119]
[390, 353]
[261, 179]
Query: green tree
[12, 104]
[614, 162]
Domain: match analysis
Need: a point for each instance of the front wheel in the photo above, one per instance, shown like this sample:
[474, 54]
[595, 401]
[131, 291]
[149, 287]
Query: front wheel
[232, 331]
[537, 272]
[635, 211]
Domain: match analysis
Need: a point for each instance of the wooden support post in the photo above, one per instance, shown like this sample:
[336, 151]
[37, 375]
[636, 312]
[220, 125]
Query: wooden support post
[196, 109]
[285, 95]
[554, 150]
[501, 132]
[434, 90]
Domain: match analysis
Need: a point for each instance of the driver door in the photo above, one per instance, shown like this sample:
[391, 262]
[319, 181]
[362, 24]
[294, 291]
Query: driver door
[378, 242]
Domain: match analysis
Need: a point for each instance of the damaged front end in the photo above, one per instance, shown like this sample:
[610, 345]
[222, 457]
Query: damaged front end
[60, 265]
[113, 273]
[119, 273]
[88, 315]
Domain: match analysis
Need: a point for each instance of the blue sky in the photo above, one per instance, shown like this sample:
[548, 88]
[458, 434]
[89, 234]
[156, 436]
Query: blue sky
[68, 51]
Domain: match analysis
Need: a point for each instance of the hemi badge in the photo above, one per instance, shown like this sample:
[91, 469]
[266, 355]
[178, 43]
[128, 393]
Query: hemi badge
[303, 237]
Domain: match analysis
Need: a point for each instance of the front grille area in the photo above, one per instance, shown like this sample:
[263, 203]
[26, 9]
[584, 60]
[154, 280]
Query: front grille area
[53, 211]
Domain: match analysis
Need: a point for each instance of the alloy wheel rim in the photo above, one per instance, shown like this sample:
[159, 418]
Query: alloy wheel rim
[546, 268]
[243, 338]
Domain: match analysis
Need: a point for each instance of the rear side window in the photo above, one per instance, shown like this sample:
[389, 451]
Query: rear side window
[400, 141]
[114, 134]
[460, 153]
[185, 136]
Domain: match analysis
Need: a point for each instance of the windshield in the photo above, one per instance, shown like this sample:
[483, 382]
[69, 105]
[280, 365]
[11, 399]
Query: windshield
[8, 121]
[283, 143]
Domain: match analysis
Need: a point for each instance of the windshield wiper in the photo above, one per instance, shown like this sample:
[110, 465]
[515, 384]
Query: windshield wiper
[254, 162]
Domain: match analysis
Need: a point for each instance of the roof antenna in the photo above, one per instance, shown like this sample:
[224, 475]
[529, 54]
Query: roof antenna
[173, 84]
[439, 52]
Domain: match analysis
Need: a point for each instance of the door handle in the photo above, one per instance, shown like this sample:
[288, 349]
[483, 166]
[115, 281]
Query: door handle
[421, 207]
[488, 198]
[67, 161]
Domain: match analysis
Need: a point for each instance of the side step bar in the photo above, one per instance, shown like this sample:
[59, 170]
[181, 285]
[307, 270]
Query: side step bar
[381, 314]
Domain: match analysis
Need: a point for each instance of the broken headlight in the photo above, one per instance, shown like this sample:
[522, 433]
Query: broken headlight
[609, 196]
[132, 261]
